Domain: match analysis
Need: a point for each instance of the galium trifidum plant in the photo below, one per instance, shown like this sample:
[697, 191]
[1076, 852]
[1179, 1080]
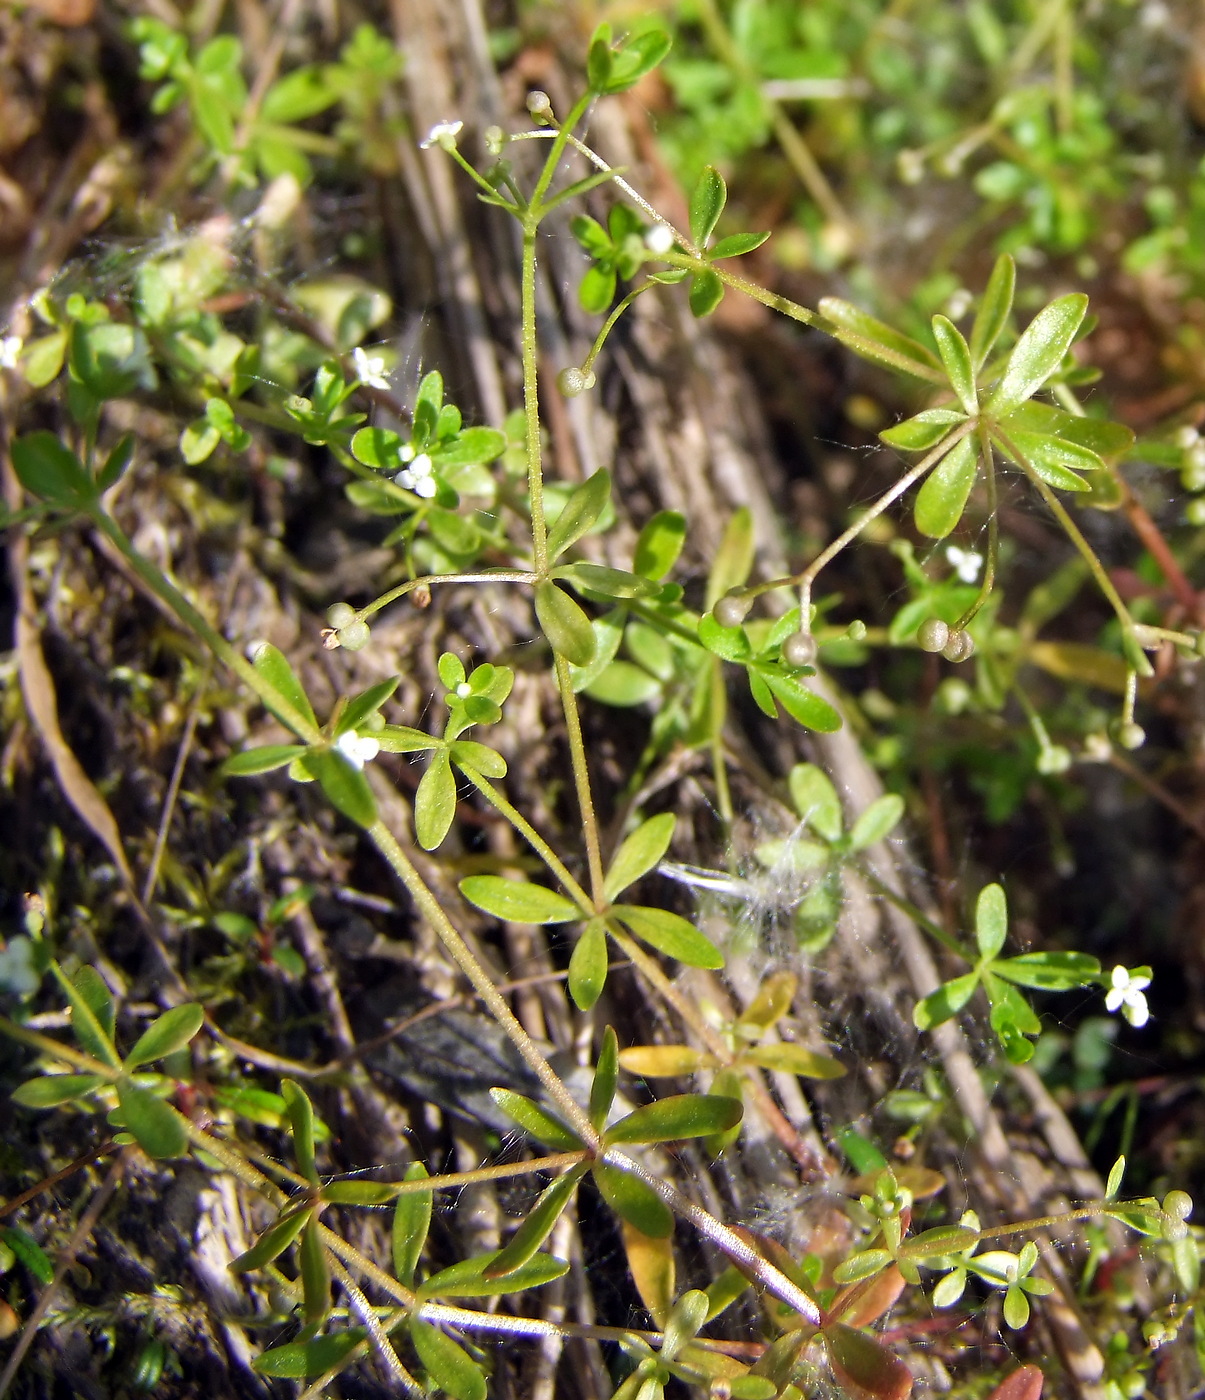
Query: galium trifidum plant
[471, 505]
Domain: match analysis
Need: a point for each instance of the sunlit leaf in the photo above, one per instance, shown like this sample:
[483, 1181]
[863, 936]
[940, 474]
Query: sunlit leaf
[795, 1059]
[876, 822]
[270, 662]
[679, 1116]
[1038, 353]
[664, 1061]
[588, 965]
[670, 934]
[451, 1367]
[344, 786]
[923, 430]
[564, 624]
[536, 1120]
[579, 513]
[816, 800]
[875, 340]
[991, 920]
[435, 802]
[659, 544]
[948, 1000]
[956, 357]
[518, 901]
[166, 1034]
[944, 492]
[706, 205]
[300, 1360]
[538, 1225]
[411, 1221]
[261, 760]
[159, 1129]
[639, 853]
[467, 1279]
[633, 1201]
[54, 1089]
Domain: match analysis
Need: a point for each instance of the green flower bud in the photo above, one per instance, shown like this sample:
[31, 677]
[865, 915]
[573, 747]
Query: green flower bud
[960, 646]
[732, 610]
[354, 636]
[932, 634]
[799, 649]
[340, 615]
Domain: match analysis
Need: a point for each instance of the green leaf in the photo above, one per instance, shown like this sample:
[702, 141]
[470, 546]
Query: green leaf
[875, 340]
[42, 360]
[859, 1360]
[664, 1061]
[273, 1242]
[451, 1367]
[659, 544]
[165, 1035]
[116, 463]
[272, 666]
[518, 901]
[50, 470]
[54, 1089]
[734, 558]
[956, 357]
[944, 1239]
[400, 738]
[1048, 457]
[564, 624]
[865, 1264]
[315, 1276]
[580, 512]
[633, 1201]
[623, 685]
[794, 1059]
[670, 934]
[943, 494]
[606, 1078]
[435, 802]
[676, 1117]
[597, 579]
[706, 205]
[588, 965]
[923, 430]
[92, 1013]
[480, 758]
[635, 56]
[1112, 1186]
[411, 1221]
[1050, 972]
[344, 786]
[471, 447]
[1012, 1018]
[705, 294]
[261, 760]
[298, 1361]
[536, 1120]
[1038, 353]
[29, 1252]
[467, 1279]
[536, 1228]
[298, 95]
[816, 800]
[948, 1000]
[598, 59]
[158, 1128]
[876, 822]
[377, 447]
[993, 310]
[800, 703]
[991, 920]
[359, 1193]
[639, 853]
[728, 643]
[301, 1123]
[1107, 440]
[367, 703]
[736, 245]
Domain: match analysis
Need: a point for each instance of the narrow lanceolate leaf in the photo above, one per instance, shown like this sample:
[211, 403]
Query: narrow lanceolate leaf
[816, 800]
[564, 624]
[991, 920]
[772, 1002]
[795, 1059]
[359, 1193]
[451, 1367]
[165, 1035]
[943, 494]
[956, 357]
[946, 1001]
[993, 310]
[633, 1201]
[875, 340]
[271, 664]
[679, 1116]
[273, 1242]
[659, 544]
[639, 853]
[923, 430]
[467, 1279]
[1038, 353]
[664, 1061]
[734, 558]
[1054, 459]
[315, 1278]
[706, 205]
[261, 760]
[28, 1251]
[876, 822]
[588, 965]
[92, 1013]
[54, 1089]
[298, 1361]
[579, 513]
[518, 901]
[944, 1239]
[736, 245]
[670, 934]
[411, 1221]
[435, 802]
[1108, 440]
[651, 1264]
[344, 787]
[606, 1079]
[536, 1120]
[158, 1128]
[538, 1225]
[301, 1121]
[368, 702]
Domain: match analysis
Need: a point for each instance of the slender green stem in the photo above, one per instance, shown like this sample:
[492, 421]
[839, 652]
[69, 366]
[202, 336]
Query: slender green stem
[480, 576]
[1071, 529]
[531, 836]
[609, 323]
[386, 843]
[531, 401]
[581, 779]
[359, 1305]
[918, 916]
[993, 531]
[56, 1049]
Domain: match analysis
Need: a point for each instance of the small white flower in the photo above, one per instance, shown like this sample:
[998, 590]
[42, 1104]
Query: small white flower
[443, 134]
[357, 749]
[426, 487]
[659, 239]
[965, 562]
[1126, 996]
[464, 690]
[370, 369]
[417, 477]
[10, 348]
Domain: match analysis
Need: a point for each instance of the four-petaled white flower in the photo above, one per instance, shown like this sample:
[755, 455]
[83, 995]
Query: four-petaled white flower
[10, 348]
[443, 134]
[1126, 996]
[370, 369]
[417, 477]
[357, 749]
[965, 562]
